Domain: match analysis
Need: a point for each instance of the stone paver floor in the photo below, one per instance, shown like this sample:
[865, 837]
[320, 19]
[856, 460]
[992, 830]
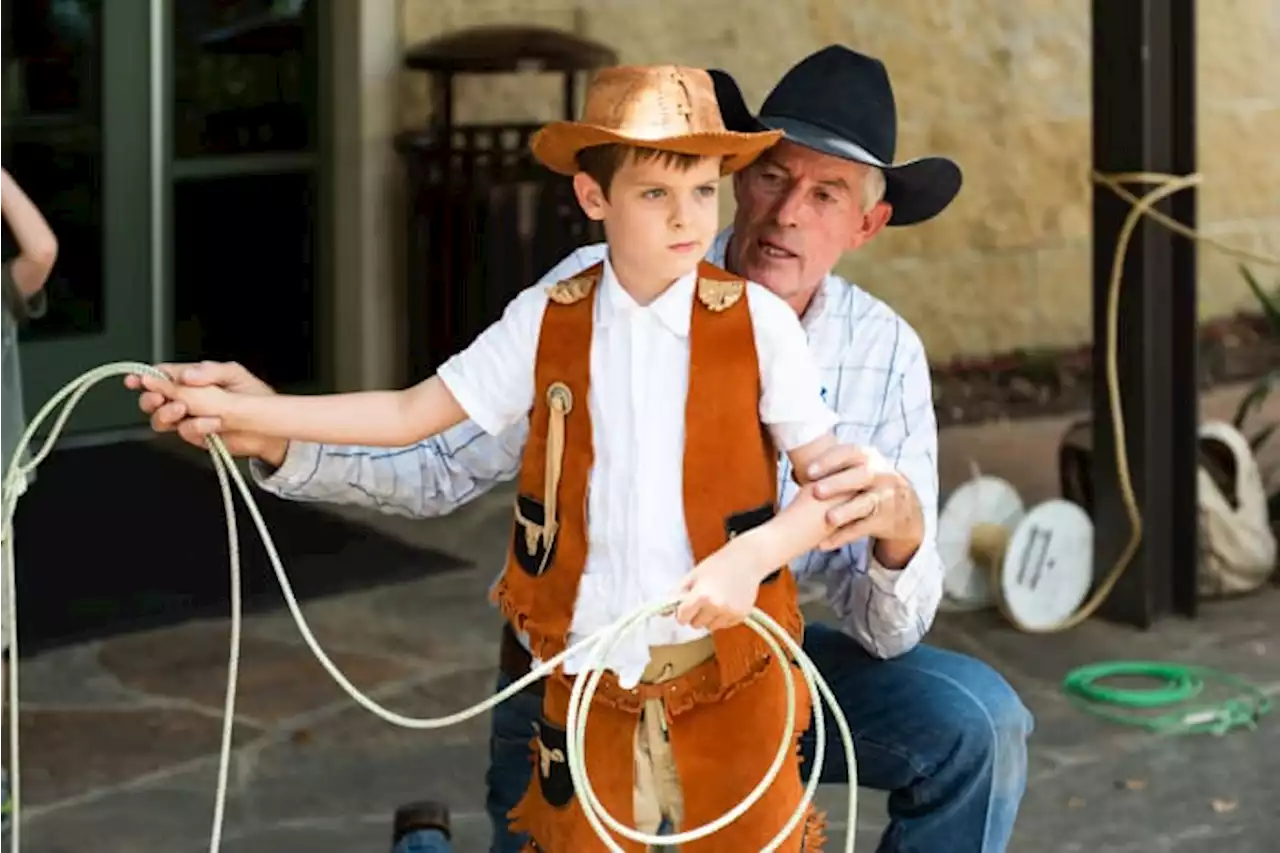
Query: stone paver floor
[120, 737]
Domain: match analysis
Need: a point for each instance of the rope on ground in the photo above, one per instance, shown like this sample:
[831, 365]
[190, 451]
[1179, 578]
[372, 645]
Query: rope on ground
[1178, 685]
[596, 647]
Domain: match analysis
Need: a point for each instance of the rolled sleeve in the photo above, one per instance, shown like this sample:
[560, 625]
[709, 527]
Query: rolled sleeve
[791, 403]
[904, 582]
[492, 379]
[301, 460]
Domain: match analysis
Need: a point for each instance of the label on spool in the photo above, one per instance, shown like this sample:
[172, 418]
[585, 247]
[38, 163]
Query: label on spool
[1048, 565]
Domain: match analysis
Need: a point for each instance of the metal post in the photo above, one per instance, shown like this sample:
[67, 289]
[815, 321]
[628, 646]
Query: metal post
[1144, 120]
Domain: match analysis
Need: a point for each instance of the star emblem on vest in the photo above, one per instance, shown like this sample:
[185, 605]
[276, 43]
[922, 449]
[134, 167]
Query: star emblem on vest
[719, 295]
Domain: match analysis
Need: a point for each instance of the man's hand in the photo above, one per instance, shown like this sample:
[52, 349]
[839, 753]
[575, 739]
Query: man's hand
[880, 503]
[169, 415]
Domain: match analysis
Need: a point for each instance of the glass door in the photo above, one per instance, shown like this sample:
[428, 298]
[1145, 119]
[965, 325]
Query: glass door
[79, 135]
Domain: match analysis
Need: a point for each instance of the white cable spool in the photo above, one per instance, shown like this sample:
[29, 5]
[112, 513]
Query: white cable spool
[1035, 565]
[1047, 567]
[980, 501]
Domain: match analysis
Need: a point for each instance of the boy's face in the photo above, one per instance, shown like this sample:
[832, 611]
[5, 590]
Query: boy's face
[659, 217]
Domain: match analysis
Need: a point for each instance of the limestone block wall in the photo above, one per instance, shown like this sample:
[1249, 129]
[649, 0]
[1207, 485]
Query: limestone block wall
[1001, 85]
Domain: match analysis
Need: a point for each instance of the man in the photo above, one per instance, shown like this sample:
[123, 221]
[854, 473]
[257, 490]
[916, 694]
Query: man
[943, 733]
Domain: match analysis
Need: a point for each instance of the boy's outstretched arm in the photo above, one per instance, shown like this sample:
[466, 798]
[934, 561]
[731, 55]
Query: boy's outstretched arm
[492, 378]
[377, 418]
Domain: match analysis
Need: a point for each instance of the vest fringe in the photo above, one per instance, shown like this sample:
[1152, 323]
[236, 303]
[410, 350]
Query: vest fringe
[815, 831]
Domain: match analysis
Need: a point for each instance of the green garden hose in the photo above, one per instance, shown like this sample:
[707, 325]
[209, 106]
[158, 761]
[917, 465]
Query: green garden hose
[1178, 684]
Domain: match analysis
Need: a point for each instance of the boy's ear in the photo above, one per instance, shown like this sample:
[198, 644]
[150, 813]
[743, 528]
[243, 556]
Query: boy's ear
[590, 196]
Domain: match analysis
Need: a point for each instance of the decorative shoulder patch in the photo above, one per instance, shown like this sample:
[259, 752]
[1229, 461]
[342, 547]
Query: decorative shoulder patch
[571, 290]
[719, 295]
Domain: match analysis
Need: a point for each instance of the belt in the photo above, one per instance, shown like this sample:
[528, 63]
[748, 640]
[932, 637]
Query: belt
[665, 662]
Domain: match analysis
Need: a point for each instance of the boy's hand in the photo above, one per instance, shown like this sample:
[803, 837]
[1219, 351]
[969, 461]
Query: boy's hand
[719, 593]
[171, 416]
[200, 402]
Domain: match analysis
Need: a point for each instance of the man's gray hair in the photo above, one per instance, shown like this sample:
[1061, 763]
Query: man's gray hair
[873, 188]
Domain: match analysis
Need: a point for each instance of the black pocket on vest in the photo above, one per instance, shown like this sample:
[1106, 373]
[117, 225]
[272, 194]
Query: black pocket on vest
[741, 522]
[553, 765]
[533, 560]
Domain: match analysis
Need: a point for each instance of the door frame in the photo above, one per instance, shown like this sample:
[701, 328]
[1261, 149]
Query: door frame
[134, 146]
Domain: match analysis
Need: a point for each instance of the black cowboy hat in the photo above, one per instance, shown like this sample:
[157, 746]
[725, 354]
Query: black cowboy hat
[839, 102]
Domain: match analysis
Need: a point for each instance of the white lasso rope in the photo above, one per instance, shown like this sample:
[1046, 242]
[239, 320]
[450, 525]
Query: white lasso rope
[599, 644]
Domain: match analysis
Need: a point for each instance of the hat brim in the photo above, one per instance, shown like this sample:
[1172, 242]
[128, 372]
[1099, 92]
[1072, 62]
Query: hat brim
[557, 144]
[918, 190]
[734, 111]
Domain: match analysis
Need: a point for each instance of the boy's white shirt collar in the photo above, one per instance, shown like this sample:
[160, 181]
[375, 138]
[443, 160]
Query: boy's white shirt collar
[672, 307]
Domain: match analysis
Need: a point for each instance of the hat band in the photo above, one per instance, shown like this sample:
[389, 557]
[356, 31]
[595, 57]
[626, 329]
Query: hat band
[822, 140]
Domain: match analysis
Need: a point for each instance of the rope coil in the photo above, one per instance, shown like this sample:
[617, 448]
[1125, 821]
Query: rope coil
[1178, 684]
[597, 648]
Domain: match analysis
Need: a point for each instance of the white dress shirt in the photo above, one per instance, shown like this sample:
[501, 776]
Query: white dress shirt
[638, 547]
[874, 375]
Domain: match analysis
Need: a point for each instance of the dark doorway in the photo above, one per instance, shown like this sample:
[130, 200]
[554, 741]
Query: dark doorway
[247, 186]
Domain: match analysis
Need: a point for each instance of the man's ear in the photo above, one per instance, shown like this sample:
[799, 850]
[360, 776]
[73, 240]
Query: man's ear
[590, 196]
[869, 225]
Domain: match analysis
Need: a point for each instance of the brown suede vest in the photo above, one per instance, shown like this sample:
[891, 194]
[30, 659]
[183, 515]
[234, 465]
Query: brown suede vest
[730, 476]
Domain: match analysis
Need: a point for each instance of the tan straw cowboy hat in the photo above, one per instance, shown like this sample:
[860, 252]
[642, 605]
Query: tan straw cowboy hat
[665, 107]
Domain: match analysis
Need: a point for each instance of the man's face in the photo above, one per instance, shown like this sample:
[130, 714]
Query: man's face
[659, 218]
[798, 212]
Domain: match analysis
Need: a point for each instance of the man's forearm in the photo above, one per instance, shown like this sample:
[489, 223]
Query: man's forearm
[896, 554]
[424, 480]
[887, 611]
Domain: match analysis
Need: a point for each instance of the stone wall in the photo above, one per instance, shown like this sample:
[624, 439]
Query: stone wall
[1001, 85]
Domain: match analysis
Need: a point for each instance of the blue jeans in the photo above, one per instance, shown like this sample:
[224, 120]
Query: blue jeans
[424, 841]
[943, 733]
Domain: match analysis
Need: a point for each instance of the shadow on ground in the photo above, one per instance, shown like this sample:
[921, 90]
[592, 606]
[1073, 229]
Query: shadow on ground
[130, 536]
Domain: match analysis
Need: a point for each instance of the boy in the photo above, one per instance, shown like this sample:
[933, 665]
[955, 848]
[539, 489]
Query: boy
[659, 389]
